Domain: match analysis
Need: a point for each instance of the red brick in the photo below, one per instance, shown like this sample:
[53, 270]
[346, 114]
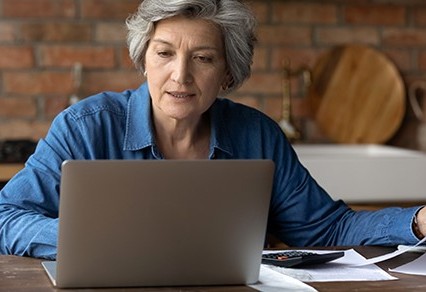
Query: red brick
[125, 61]
[56, 31]
[298, 57]
[54, 105]
[404, 37]
[95, 82]
[7, 32]
[250, 101]
[17, 108]
[284, 35]
[15, 57]
[312, 13]
[32, 83]
[342, 35]
[260, 10]
[401, 58]
[379, 14]
[67, 56]
[422, 60]
[260, 59]
[39, 8]
[272, 106]
[262, 83]
[108, 9]
[420, 16]
[300, 107]
[111, 33]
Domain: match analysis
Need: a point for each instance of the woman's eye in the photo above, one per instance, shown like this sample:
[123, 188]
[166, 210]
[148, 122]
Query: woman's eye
[164, 54]
[204, 59]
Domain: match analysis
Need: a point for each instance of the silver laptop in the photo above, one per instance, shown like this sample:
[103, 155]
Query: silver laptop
[125, 223]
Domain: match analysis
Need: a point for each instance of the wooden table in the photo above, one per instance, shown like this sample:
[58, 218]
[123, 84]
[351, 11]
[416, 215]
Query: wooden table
[27, 274]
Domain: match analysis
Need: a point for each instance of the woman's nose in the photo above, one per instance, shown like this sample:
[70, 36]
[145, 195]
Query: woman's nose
[181, 72]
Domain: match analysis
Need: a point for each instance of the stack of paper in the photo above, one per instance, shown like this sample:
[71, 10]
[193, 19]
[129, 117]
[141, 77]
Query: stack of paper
[351, 267]
[342, 269]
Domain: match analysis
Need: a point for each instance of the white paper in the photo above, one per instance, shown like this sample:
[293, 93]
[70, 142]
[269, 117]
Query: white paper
[419, 249]
[390, 255]
[271, 281]
[342, 269]
[416, 267]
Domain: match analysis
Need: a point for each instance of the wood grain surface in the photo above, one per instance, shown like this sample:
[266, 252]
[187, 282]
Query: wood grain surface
[357, 95]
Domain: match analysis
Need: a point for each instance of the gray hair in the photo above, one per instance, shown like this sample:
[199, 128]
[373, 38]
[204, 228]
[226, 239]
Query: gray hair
[235, 20]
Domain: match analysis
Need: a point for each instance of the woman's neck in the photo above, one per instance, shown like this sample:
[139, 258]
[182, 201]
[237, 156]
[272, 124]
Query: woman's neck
[183, 139]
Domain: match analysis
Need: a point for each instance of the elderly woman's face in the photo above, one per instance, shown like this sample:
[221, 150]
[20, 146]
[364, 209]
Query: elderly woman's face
[186, 67]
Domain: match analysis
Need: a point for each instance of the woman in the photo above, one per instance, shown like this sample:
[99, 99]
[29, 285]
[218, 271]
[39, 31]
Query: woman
[191, 51]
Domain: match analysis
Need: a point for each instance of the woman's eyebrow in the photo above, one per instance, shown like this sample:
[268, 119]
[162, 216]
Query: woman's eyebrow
[158, 40]
[201, 47]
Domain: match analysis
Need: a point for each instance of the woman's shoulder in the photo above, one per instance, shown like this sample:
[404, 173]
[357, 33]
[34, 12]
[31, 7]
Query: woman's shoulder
[108, 101]
[115, 102]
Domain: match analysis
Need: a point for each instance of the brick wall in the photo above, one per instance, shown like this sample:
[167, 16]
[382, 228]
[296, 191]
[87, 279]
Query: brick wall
[41, 40]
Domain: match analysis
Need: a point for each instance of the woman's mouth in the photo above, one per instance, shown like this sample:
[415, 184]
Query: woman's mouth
[180, 94]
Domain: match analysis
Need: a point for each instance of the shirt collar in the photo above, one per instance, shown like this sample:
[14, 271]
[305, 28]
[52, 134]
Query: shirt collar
[139, 130]
[220, 138]
[139, 133]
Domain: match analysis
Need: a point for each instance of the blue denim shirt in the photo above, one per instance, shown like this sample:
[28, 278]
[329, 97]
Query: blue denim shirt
[118, 126]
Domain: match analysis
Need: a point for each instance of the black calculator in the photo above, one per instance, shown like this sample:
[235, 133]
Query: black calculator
[297, 259]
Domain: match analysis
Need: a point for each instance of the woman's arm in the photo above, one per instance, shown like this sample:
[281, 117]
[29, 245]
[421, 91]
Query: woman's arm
[29, 202]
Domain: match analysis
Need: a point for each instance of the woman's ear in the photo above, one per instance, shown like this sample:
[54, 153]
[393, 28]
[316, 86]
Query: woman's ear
[227, 82]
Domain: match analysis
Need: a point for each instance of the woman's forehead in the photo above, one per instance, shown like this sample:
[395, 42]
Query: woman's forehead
[199, 32]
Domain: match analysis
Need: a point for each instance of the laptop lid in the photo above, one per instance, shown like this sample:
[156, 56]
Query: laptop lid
[162, 223]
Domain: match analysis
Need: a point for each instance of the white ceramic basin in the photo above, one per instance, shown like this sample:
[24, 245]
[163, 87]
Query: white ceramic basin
[366, 173]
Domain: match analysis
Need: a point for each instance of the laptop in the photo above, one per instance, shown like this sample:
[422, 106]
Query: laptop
[140, 223]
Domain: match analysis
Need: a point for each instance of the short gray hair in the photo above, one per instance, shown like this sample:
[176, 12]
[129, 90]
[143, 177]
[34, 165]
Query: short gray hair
[235, 20]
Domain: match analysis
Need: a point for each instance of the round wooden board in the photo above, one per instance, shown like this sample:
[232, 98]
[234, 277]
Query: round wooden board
[357, 95]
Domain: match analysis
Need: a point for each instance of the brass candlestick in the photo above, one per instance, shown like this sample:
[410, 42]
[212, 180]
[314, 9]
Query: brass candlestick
[286, 119]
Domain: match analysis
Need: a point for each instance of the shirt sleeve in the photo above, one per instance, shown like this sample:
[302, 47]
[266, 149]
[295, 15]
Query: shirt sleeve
[303, 214]
[29, 202]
